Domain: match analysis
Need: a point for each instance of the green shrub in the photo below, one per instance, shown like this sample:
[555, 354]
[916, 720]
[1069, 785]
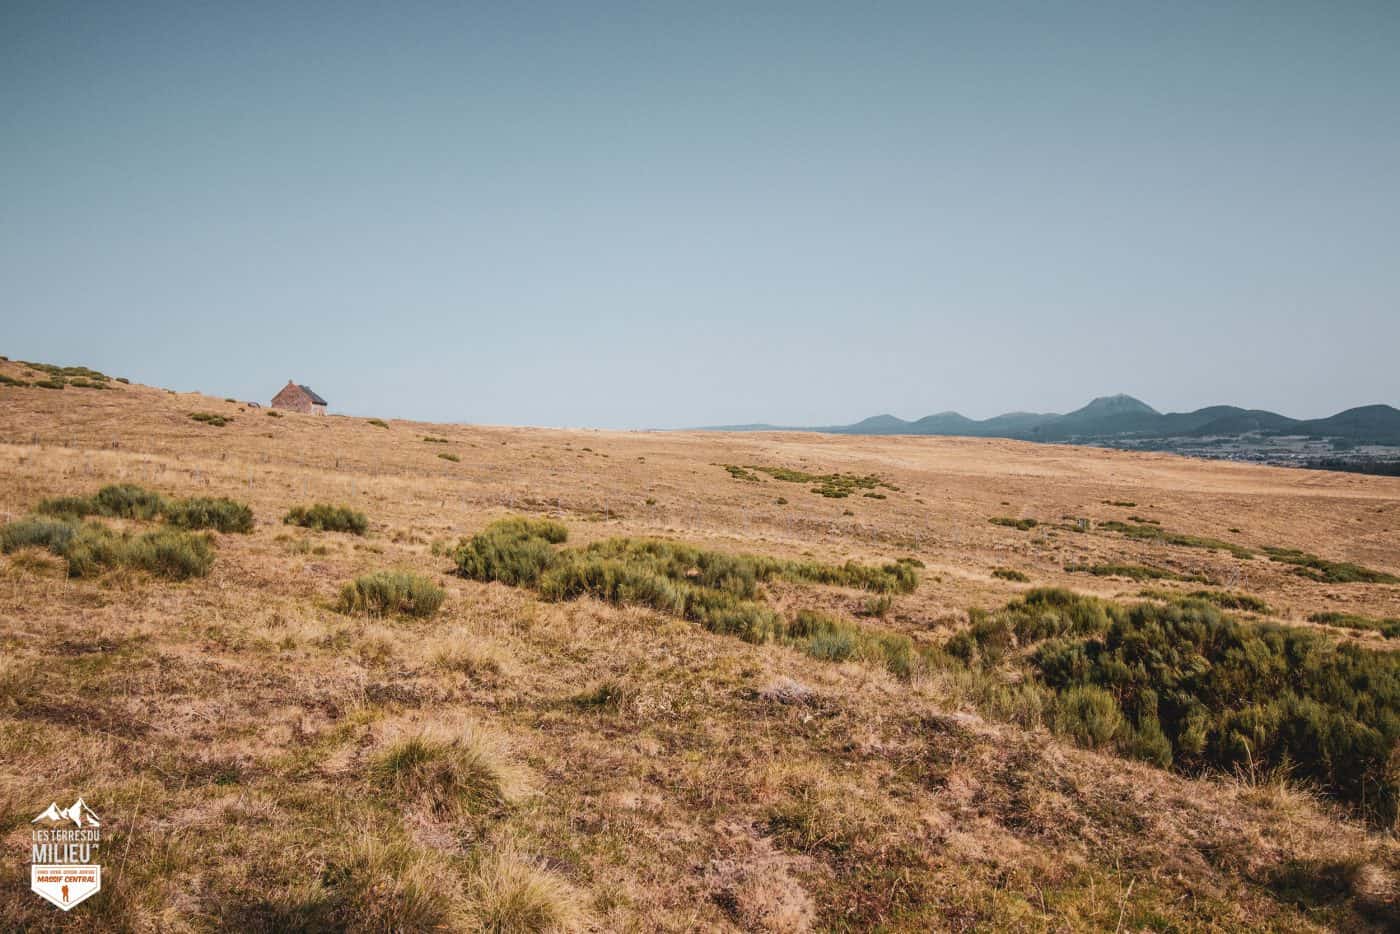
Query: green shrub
[1389, 627]
[129, 501]
[55, 535]
[205, 513]
[324, 517]
[11, 381]
[211, 418]
[391, 592]
[378, 423]
[1153, 533]
[49, 383]
[1331, 572]
[1089, 715]
[1137, 572]
[1010, 574]
[273, 413]
[429, 439]
[1024, 525]
[715, 589]
[449, 457]
[168, 553]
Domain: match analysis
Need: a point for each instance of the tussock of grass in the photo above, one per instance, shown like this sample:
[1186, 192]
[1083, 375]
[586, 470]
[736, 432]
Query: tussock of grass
[469, 656]
[324, 517]
[379, 885]
[1024, 525]
[391, 592]
[429, 439]
[378, 422]
[451, 775]
[1010, 574]
[448, 456]
[517, 895]
[1331, 572]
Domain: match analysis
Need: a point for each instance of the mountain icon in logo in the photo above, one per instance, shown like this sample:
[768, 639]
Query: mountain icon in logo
[79, 813]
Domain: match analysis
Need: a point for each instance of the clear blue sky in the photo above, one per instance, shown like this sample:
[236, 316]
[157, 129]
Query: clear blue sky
[667, 214]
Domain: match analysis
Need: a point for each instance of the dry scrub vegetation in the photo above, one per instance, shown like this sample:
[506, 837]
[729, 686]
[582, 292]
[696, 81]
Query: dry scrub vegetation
[313, 677]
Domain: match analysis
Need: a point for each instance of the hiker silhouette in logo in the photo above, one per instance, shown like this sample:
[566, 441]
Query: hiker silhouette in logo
[65, 891]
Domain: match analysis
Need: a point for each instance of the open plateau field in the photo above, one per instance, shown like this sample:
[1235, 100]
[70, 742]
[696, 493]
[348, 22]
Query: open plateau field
[325, 673]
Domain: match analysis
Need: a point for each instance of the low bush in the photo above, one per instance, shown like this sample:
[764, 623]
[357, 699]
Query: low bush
[391, 592]
[1226, 600]
[378, 423]
[429, 439]
[11, 381]
[1024, 525]
[273, 413]
[1331, 572]
[1010, 574]
[1152, 532]
[715, 589]
[211, 418]
[55, 535]
[450, 457]
[1389, 627]
[1195, 689]
[324, 517]
[93, 548]
[1137, 572]
[201, 512]
[129, 501]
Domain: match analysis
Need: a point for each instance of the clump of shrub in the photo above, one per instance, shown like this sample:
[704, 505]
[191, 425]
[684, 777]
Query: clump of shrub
[1194, 689]
[429, 439]
[447, 456]
[830, 485]
[1151, 531]
[1389, 627]
[11, 381]
[378, 423]
[49, 383]
[53, 534]
[211, 418]
[1226, 600]
[273, 413]
[129, 501]
[739, 473]
[1331, 572]
[1024, 525]
[391, 592]
[200, 512]
[1010, 574]
[324, 517]
[93, 548]
[715, 589]
[1137, 572]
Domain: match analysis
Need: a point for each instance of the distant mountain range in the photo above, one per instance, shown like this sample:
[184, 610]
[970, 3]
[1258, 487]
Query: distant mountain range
[1123, 419]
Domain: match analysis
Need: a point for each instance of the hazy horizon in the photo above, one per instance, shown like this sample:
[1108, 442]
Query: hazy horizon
[623, 215]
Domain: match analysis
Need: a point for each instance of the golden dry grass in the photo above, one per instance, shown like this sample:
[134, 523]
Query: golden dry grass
[232, 730]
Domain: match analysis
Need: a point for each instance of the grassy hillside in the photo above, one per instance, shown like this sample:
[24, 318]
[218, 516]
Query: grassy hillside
[312, 676]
